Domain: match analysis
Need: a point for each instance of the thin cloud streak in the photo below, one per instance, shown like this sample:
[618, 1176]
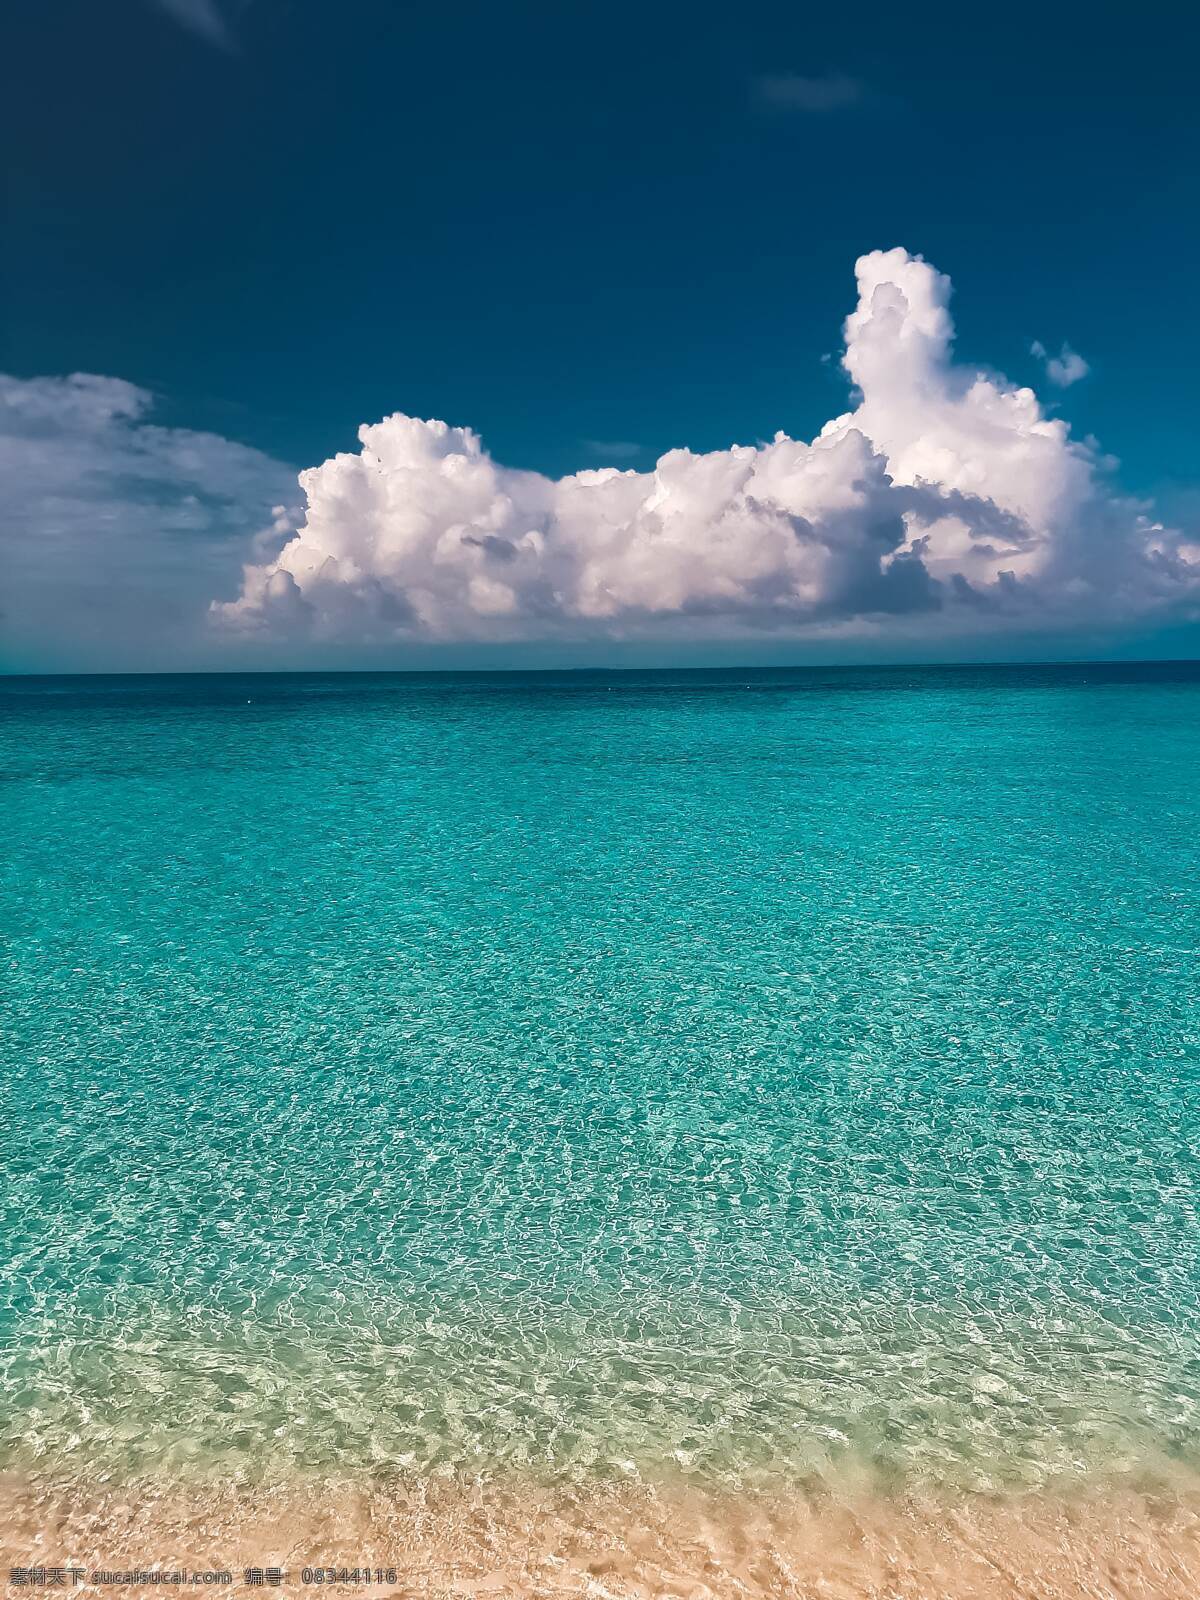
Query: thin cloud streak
[612, 449]
[202, 18]
[815, 96]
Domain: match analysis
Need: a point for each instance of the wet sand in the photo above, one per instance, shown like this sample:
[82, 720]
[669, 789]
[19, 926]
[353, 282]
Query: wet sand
[443, 1538]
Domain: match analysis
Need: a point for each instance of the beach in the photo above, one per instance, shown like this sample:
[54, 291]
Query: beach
[428, 1538]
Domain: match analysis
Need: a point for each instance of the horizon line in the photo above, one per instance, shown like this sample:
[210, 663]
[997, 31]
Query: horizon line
[488, 672]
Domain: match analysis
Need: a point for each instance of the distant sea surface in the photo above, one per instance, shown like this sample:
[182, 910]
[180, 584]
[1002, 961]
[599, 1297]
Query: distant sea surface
[754, 1079]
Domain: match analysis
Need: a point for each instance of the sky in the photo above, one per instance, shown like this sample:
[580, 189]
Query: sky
[673, 333]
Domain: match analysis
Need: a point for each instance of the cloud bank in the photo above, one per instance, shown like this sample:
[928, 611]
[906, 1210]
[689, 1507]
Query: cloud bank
[114, 532]
[945, 503]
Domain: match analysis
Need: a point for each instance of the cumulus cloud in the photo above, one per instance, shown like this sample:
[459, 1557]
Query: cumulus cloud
[791, 91]
[942, 504]
[945, 501]
[114, 532]
[1063, 369]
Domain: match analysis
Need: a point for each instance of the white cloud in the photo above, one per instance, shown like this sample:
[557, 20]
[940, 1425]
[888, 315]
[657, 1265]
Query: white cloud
[114, 532]
[942, 504]
[791, 91]
[1063, 369]
[945, 501]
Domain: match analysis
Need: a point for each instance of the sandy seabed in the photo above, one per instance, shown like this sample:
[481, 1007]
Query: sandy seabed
[443, 1539]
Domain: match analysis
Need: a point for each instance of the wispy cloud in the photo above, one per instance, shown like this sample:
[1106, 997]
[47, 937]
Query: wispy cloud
[791, 91]
[612, 449]
[203, 18]
[1063, 369]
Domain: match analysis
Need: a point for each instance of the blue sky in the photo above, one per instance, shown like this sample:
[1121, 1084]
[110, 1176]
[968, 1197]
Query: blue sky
[590, 233]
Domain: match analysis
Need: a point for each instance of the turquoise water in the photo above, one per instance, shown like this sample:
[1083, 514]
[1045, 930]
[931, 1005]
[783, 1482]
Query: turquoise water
[771, 1076]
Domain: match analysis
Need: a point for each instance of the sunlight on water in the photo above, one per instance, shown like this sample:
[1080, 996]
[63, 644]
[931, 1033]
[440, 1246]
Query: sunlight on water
[749, 1079]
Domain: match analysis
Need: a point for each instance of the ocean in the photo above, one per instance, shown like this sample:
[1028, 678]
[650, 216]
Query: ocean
[764, 1083]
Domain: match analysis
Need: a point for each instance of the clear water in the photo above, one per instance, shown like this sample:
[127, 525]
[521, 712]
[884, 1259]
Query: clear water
[771, 1076]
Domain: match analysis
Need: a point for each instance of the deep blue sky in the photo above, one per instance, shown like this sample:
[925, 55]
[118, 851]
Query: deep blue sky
[568, 222]
[559, 224]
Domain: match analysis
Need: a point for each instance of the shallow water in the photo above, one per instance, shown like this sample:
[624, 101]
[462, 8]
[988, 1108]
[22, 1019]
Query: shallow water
[763, 1081]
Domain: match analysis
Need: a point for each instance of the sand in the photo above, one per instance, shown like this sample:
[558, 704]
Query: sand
[445, 1538]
